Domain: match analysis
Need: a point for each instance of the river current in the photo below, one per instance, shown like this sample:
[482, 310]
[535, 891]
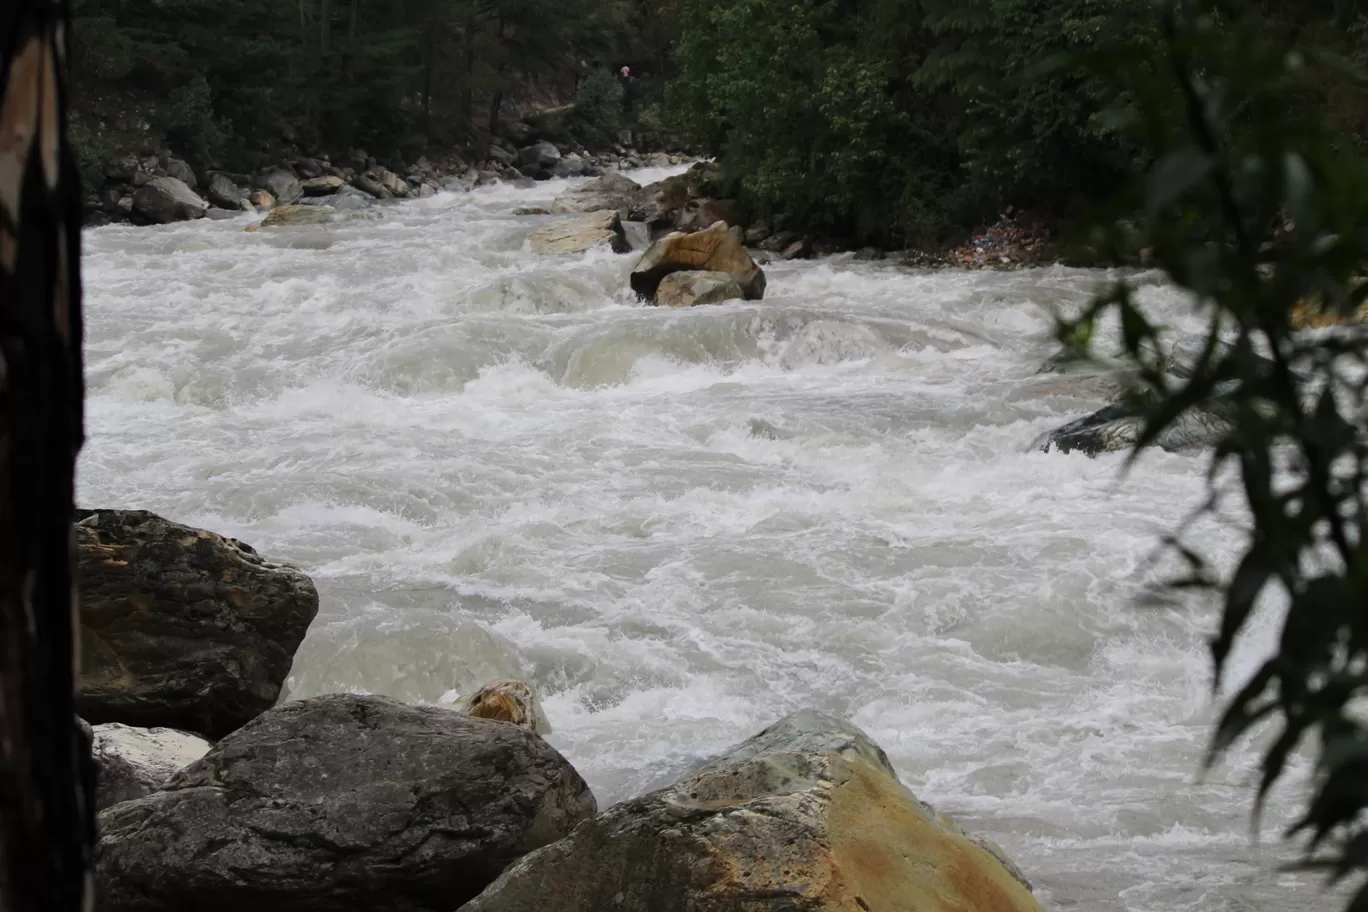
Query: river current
[680, 525]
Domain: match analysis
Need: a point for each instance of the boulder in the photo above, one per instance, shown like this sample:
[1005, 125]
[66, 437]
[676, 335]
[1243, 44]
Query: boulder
[180, 170]
[688, 289]
[538, 159]
[393, 183]
[807, 816]
[757, 232]
[508, 701]
[123, 169]
[638, 235]
[368, 184]
[462, 183]
[288, 216]
[307, 168]
[570, 165]
[612, 192]
[323, 186]
[340, 803]
[661, 204]
[223, 192]
[713, 250]
[699, 214]
[167, 199]
[501, 155]
[576, 235]
[800, 249]
[346, 199]
[125, 206]
[262, 200]
[133, 762]
[182, 628]
[281, 184]
[216, 214]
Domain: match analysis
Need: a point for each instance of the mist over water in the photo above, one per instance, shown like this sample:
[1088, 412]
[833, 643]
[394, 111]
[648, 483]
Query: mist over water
[680, 525]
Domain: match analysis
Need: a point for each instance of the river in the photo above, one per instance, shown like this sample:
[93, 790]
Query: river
[680, 525]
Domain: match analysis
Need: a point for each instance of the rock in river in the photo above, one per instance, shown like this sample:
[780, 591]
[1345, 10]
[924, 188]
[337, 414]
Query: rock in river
[807, 816]
[612, 192]
[133, 762]
[689, 289]
[166, 199]
[182, 628]
[509, 701]
[576, 235]
[340, 803]
[282, 216]
[713, 250]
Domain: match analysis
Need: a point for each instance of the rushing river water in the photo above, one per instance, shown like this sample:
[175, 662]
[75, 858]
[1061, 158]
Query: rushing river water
[680, 525]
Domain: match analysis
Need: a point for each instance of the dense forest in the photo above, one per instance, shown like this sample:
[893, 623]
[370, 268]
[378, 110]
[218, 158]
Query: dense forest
[882, 121]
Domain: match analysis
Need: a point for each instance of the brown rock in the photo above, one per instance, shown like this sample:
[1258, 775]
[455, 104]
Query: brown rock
[508, 701]
[323, 186]
[262, 200]
[702, 213]
[713, 250]
[576, 235]
[283, 216]
[690, 289]
[807, 816]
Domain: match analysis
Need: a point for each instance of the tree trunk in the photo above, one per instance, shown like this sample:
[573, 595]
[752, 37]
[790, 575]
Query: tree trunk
[46, 775]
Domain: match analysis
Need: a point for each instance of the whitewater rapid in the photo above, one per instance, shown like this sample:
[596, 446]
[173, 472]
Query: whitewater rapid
[680, 525]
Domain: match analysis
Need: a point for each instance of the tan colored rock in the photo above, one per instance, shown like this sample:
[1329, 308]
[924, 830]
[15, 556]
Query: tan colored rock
[808, 814]
[691, 289]
[612, 191]
[285, 216]
[326, 185]
[713, 250]
[262, 200]
[576, 235]
[508, 701]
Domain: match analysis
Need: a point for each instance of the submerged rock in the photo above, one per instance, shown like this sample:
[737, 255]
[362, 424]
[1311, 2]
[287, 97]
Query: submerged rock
[576, 235]
[182, 628]
[341, 803]
[713, 250]
[690, 289]
[509, 701]
[166, 199]
[133, 762]
[807, 816]
[283, 216]
[612, 192]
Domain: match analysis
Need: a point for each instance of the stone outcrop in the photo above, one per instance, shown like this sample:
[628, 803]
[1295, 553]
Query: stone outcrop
[133, 762]
[807, 816]
[690, 289]
[713, 250]
[166, 199]
[340, 803]
[182, 628]
[508, 701]
[609, 193]
[577, 235]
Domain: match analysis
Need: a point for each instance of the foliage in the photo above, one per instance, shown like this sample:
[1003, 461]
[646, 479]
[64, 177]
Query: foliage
[598, 110]
[92, 152]
[1255, 205]
[190, 125]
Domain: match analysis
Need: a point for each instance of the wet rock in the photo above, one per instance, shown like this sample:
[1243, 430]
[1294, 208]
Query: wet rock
[125, 206]
[325, 185]
[661, 204]
[166, 199]
[576, 235]
[757, 232]
[262, 200]
[538, 159]
[612, 192]
[281, 184]
[182, 628]
[340, 803]
[222, 191]
[570, 165]
[109, 199]
[638, 235]
[288, 216]
[123, 169]
[133, 762]
[393, 183]
[181, 171]
[868, 253]
[531, 210]
[368, 184]
[780, 240]
[501, 155]
[508, 701]
[699, 214]
[690, 289]
[218, 215]
[98, 219]
[799, 250]
[307, 168]
[1118, 427]
[713, 250]
[807, 816]
[462, 183]
[346, 199]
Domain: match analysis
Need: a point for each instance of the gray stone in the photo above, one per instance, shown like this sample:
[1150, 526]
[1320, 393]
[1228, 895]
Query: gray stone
[538, 159]
[570, 165]
[182, 628]
[181, 171]
[222, 191]
[576, 235]
[218, 215]
[690, 289]
[323, 186]
[340, 803]
[501, 155]
[134, 762]
[166, 199]
[612, 192]
[368, 184]
[281, 184]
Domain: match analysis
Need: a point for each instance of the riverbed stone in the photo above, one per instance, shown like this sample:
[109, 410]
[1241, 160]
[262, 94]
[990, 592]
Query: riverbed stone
[507, 700]
[579, 234]
[223, 191]
[713, 250]
[324, 185]
[281, 184]
[181, 171]
[262, 200]
[340, 803]
[538, 159]
[134, 762]
[609, 193]
[182, 628]
[167, 199]
[691, 289]
[286, 216]
[807, 816]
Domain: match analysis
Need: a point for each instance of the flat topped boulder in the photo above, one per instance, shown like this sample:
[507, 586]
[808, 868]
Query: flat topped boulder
[182, 628]
[293, 214]
[577, 235]
[611, 192]
[807, 816]
[340, 803]
[713, 250]
[167, 199]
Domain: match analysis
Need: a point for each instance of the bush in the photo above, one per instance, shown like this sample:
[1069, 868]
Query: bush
[598, 110]
[93, 153]
[191, 127]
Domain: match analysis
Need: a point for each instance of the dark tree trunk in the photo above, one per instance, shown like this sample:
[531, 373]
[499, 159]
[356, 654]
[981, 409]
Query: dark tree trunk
[46, 776]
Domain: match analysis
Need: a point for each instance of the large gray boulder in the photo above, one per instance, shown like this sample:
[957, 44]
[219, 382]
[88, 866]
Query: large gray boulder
[661, 205]
[807, 816]
[167, 199]
[134, 762]
[281, 184]
[538, 159]
[609, 193]
[182, 628]
[340, 803]
[181, 171]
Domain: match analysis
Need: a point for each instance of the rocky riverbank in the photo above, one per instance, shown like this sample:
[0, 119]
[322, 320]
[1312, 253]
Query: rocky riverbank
[347, 802]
